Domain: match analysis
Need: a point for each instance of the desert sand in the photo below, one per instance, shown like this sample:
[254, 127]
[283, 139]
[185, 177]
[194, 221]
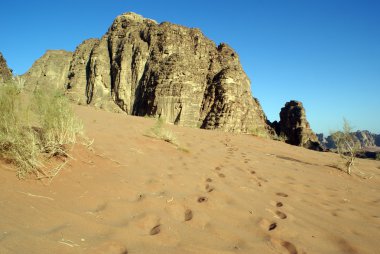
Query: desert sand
[219, 193]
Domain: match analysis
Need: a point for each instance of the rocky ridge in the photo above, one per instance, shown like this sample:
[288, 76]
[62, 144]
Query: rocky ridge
[48, 71]
[5, 72]
[366, 139]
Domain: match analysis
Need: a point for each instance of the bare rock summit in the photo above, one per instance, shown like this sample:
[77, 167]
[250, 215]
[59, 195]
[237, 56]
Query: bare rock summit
[165, 70]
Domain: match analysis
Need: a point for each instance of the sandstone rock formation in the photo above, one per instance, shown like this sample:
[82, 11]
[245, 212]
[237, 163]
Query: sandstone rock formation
[48, 71]
[294, 127]
[166, 70]
[5, 72]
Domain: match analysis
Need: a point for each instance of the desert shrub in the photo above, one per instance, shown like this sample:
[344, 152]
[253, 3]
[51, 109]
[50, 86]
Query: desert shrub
[258, 132]
[160, 132]
[29, 130]
[17, 138]
[58, 124]
[281, 137]
[347, 146]
[378, 156]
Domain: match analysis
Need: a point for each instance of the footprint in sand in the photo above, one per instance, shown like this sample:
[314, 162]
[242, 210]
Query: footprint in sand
[155, 230]
[209, 180]
[290, 247]
[202, 199]
[281, 215]
[279, 204]
[281, 194]
[221, 175]
[188, 215]
[209, 188]
[267, 225]
[272, 226]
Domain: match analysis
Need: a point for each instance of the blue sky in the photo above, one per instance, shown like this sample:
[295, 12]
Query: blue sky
[325, 53]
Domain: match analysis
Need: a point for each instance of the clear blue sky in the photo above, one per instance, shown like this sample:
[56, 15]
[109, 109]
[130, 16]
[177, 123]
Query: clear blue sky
[325, 53]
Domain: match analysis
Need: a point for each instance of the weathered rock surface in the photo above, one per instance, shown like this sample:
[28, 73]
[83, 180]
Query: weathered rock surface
[294, 127]
[166, 70]
[169, 71]
[78, 71]
[49, 71]
[365, 138]
[5, 72]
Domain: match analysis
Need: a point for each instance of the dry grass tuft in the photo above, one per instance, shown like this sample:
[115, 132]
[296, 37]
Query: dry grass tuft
[60, 127]
[23, 141]
[158, 131]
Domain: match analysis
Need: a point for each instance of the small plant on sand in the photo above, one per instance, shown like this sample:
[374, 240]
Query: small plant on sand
[29, 131]
[281, 137]
[258, 132]
[378, 156]
[160, 132]
[17, 138]
[59, 125]
[347, 146]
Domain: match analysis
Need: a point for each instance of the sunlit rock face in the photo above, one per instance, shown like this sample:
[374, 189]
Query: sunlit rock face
[166, 70]
[49, 71]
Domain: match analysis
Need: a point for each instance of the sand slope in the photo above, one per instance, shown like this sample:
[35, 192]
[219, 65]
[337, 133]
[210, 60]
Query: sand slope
[226, 194]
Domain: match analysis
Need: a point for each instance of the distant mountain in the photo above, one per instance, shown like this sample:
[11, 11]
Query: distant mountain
[366, 139]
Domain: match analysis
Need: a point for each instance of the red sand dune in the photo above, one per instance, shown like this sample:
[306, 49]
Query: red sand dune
[221, 193]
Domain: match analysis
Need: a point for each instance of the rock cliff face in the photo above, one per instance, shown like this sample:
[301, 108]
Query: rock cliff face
[294, 127]
[166, 70]
[5, 72]
[48, 71]
[169, 71]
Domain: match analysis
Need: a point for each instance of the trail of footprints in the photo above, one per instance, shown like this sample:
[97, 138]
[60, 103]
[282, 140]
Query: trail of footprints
[291, 248]
[271, 226]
